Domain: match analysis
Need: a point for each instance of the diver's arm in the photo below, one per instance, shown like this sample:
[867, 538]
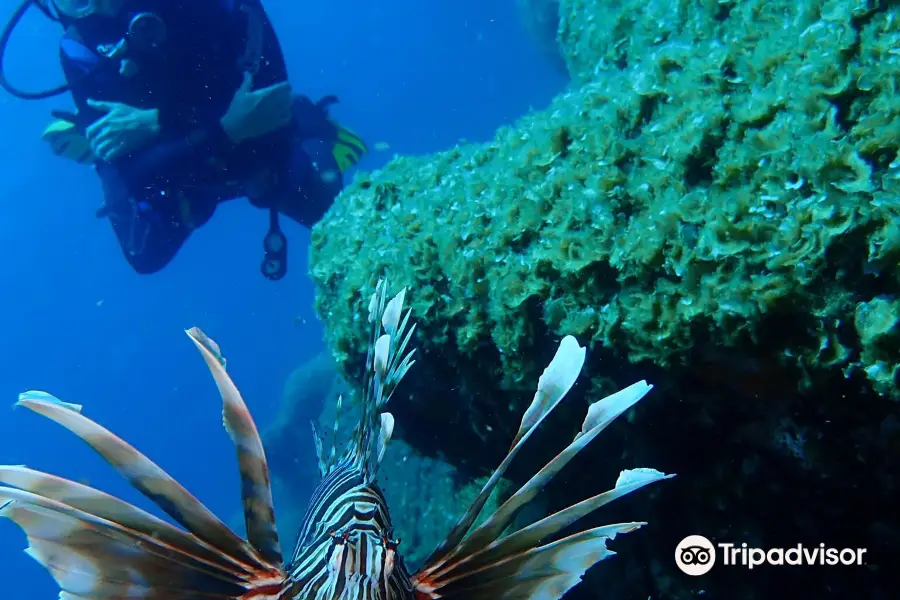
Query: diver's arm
[187, 153]
[183, 144]
[174, 151]
[188, 142]
[217, 37]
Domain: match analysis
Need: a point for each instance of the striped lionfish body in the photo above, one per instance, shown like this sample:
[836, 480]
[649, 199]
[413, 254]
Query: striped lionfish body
[98, 547]
[345, 549]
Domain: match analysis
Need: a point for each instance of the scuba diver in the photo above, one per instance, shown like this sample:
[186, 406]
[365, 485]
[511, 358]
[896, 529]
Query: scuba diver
[181, 105]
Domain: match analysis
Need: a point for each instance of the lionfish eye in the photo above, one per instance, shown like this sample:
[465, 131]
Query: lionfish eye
[390, 556]
[338, 537]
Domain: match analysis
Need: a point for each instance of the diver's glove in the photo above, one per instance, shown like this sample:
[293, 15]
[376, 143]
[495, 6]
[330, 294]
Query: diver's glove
[254, 113]
[122, 130]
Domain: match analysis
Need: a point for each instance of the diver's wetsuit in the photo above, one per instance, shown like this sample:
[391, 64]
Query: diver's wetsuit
[155, 197]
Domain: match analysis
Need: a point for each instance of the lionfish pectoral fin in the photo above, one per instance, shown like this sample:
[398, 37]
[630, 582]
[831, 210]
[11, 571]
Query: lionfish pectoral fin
[556, 381]
[547, 571]
[553, 385]
[482, 563]
[92, 557]
[99, 547]
[208, 344]
[46, 397]
[256, 489]
[527, 540]
[147, 477]
[113, 511]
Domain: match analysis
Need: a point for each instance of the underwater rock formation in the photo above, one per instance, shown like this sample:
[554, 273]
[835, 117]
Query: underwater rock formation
[288, 440]
[541, 20]
[308, 388]
[715, 207]
[697, 195]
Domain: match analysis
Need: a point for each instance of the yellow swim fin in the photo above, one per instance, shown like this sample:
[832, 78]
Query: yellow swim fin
[65, 141]
[348, 149]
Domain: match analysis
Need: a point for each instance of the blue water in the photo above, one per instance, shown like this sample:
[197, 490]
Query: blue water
[75, 321]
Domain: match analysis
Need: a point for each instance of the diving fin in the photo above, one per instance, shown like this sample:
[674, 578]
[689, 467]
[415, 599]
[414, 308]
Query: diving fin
[66, 141]
[348, 148]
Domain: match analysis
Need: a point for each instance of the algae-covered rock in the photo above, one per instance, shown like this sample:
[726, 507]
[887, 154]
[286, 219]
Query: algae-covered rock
[714, 205]
[730, 174]
[541, 20]
[876, 324]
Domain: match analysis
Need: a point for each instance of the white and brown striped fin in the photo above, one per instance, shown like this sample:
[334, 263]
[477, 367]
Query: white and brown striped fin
[90, 557]
[481, 563]
[39, 395]
[557, 379]
[148, 478]
[256, 490]
[328, 462]
[320, 449]
[98, 547]
[140, 523]
[387, 362]
[335, 431]
[384, 435]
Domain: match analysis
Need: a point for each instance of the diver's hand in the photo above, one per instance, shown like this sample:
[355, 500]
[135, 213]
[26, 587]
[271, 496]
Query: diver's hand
[122, 130]
[258, 112]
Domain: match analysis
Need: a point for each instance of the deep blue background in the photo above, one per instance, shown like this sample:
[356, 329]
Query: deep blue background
[75, 321]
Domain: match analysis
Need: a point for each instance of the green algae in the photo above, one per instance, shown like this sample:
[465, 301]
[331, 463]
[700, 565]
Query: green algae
[716, 168]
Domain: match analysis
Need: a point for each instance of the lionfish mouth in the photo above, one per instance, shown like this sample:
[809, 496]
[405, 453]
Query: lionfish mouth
[99, 547]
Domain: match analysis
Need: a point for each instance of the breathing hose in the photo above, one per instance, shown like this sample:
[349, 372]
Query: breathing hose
[6, 34]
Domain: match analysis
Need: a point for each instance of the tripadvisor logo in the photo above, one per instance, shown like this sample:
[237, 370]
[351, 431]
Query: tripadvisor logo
[696, 555]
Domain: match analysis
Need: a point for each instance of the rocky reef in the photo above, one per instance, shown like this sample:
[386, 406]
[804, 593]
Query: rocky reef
[541, 19]
[712, 206]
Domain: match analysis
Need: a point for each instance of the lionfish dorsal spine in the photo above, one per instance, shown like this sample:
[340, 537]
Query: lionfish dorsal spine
[386, 364]
[384, 434]
[320, 450]
[387, 361]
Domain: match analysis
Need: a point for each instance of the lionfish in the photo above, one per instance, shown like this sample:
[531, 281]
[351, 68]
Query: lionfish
[98, 547]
